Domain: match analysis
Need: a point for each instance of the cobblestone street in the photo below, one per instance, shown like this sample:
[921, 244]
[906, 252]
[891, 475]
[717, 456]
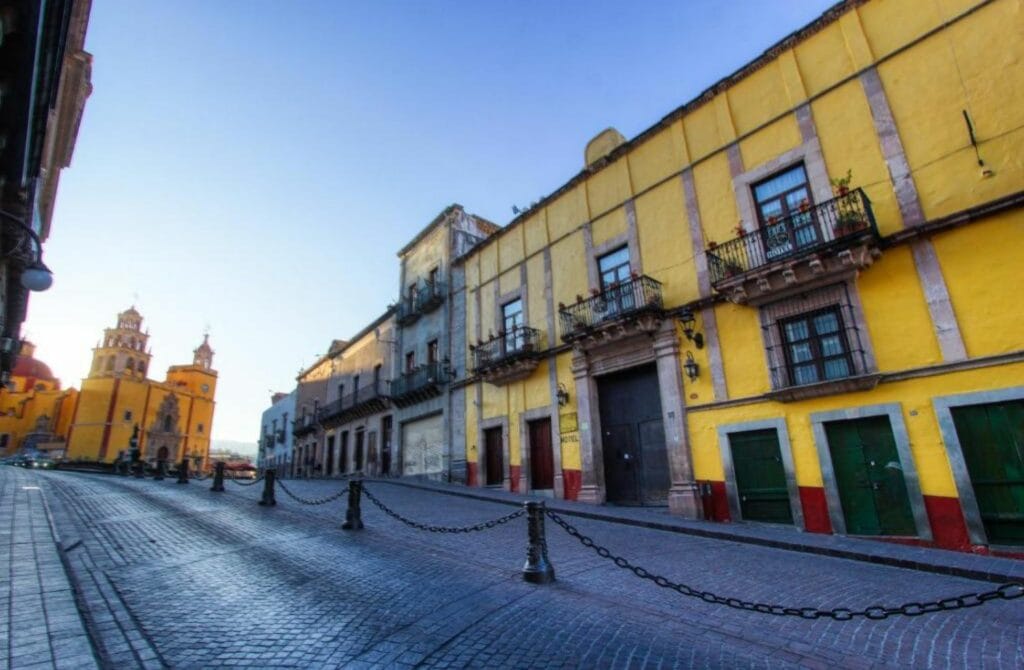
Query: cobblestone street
[178, 576]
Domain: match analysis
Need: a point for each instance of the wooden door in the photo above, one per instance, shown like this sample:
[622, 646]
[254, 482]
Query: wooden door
[385, 445]
[633, 437]
[542, 464]
[992, 441]
[760, 477]
[869, 475]
[494, 458]
[330, 455]
[343, 453]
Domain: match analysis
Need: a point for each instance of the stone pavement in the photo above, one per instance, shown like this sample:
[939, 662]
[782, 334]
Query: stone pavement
[40, 626]
[927, 559]
[183, 577]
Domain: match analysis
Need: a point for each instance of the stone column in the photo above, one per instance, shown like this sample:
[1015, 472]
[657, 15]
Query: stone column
[589, 426]
[682, 494]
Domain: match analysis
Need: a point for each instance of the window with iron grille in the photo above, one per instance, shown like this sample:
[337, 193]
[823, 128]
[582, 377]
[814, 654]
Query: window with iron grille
[511, 322]
[432, 350]
[816, 348]
[783, 209]
[815, 337]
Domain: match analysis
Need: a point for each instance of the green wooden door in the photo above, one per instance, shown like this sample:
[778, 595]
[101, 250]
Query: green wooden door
[992, 441]
[869, 475]
[760, 477]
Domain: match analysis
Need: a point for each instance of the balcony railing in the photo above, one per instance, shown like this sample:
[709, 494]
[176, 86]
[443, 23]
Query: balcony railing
[518, 343]
[430, 296]
[406, 312]
[615, 302]
[304, 425]
[423, 382]
[817, 228]
[355, 404]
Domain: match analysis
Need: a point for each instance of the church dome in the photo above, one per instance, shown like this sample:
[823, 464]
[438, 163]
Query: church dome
[29, 367]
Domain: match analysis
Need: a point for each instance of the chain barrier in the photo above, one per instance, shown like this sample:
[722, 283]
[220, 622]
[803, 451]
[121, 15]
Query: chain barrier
[310, 501]
[1008, 591]
[484, 525]
[252, 483]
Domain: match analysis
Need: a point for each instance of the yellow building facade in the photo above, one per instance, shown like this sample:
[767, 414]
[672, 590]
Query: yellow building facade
[35, 412]
[174, 416]
[792, 300]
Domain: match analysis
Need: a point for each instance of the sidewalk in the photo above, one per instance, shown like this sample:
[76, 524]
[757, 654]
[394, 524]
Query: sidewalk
[926, 559]
[40, 625]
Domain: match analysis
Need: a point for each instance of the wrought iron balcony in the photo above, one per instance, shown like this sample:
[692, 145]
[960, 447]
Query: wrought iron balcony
[406, 313]
[509, 356]
[361, 402]
[615, 304]
[422, 383]
[304, 425]
[430, 296]
[832, 237]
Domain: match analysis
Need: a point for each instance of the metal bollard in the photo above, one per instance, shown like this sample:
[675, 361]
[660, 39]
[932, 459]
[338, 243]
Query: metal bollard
[183, 471]
[537, 569]
[268, 488]
[140, 469]
[218, 476]
[161, 469]
[353, 515]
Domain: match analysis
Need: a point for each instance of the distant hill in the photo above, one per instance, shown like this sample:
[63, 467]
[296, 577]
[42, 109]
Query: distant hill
[248, 448]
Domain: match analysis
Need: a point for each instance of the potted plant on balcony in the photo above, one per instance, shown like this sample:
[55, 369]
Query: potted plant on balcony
[740, 230]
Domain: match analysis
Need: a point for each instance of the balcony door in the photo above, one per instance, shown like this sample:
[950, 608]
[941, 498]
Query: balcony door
[784, 211]
[616, 290]
[511, 323]
[494, 457]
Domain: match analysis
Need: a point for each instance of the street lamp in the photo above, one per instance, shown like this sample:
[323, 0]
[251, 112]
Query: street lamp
[29, 250]
[687, 321]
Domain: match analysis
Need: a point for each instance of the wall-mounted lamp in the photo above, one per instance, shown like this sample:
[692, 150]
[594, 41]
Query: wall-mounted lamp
[29, 250]
[687, 321]
[691, 367]
[562, 395]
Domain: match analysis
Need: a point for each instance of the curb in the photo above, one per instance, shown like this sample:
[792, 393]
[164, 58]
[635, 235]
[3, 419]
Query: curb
[786, 545]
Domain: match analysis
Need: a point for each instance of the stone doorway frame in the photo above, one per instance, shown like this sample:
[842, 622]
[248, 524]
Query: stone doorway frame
[653, 342]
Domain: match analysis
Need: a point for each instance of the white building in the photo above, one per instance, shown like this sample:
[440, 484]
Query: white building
[275, 445]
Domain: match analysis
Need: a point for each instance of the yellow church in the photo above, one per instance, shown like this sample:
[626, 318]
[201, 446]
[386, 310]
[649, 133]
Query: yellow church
[174, 416]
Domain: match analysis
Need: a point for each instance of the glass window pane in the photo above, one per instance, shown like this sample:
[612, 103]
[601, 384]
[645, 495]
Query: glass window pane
[805, 374]
[832, 345]
[780, 183]
[794, 198]
[837, 368]
[611, 262]
[799, 353]
[826, 323]
[796, 330]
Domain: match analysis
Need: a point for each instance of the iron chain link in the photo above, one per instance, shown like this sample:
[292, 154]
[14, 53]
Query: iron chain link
[311, 501]
[484, 525]
[252, 483]
[1008, 591]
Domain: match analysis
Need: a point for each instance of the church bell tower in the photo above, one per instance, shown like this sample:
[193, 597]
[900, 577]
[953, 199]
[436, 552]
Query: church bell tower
[123, 352]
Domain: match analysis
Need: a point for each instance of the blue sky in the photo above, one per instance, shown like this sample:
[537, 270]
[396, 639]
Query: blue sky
[254, 165]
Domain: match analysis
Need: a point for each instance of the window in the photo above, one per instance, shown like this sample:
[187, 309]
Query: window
[614, 267]
[432, 277]
[511, 323]
[782, 202]
[376, 378]
[816, 348]
[410, 361]
[431, 352]
[110, 364]
[142, 368]
[167, 424]
[127, 415]
[341, 391]
[616, 291]
[200, 428]
[355, 388]
[412, 293]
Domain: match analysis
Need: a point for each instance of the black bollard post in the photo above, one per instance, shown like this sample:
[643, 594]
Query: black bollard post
[268, 488]
[140, 469]
[218, 476]
[183, 471]
[353, 515]
[161, 469]
[537, 570]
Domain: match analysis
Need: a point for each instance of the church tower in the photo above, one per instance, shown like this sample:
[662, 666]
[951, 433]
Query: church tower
[203, 355]
[123, 351]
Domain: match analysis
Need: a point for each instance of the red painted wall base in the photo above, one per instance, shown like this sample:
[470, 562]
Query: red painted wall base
[471, 475]
[572, 481]
[513, 474]
[812, 500]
